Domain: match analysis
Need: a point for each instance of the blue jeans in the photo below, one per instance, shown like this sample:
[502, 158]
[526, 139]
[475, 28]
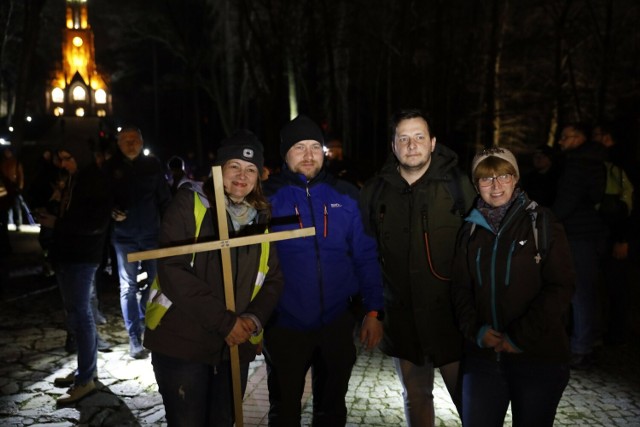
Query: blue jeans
[585, 261]
[132, 308]
[417, 389]
[76, 282]
[196, 394]
[534, 390]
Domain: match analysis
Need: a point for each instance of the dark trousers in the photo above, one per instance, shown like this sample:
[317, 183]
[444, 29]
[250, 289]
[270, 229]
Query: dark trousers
[196, 394]
[329, 352]
[534, 390]
[583, 303]
[617, 296]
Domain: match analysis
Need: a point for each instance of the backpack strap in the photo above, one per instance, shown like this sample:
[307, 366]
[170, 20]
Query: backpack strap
[540, 227]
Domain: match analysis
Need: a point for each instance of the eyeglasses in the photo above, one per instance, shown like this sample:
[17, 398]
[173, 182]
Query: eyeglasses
[564, 137]
[65, 158]
[487, 181]
[405, 139]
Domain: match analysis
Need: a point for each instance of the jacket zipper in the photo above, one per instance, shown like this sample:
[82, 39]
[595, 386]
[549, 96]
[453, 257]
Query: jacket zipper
[317, 246]
[494, 312]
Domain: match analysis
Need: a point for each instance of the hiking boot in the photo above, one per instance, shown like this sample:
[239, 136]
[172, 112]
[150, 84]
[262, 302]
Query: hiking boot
[70, 379]
[136, 350]
[100, 319]
[76, 393]
[103, 346]
[582, 362]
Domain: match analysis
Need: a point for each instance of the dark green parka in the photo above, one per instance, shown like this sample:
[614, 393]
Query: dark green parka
[416, 226]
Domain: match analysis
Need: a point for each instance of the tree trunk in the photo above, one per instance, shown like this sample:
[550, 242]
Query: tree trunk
[607, 61]
[31, 26]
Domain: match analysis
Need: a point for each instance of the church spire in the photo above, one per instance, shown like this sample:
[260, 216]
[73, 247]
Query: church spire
[78, 89]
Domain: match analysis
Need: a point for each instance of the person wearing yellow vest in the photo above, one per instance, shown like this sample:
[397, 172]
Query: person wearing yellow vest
[189, 330]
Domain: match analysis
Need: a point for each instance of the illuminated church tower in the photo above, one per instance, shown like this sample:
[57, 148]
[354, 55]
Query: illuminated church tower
[77, 89]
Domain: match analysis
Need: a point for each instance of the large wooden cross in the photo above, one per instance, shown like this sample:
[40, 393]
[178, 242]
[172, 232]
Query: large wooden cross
[224, 245]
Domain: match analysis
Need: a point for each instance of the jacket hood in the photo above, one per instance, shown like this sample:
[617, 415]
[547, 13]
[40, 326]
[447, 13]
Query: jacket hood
[80, 149]
[443, 159]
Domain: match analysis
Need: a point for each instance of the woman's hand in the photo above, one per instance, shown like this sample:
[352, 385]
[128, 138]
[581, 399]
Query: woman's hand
[492, 339]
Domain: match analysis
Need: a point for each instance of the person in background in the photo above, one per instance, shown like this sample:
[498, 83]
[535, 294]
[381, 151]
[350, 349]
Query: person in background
[79, 231]
[190, 346]
[177, 175]
[339, 165]
[312, 326]
[540, 184]
[13, 177]
[414, 207]
[581, 188]
[511, 291]
[615, 210]
[141, 194]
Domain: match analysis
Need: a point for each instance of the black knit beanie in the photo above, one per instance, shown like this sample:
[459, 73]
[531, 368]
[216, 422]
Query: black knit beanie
[243, 145]
[80, 149]
[301, 128]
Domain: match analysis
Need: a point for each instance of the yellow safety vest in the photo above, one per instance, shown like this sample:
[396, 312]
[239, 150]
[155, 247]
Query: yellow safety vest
[158, 303]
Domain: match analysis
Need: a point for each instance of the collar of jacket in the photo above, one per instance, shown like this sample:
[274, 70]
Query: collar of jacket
[442, 160]
[301, 181]
[476, 217]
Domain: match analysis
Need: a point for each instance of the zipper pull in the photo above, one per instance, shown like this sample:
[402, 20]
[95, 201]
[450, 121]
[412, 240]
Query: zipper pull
[295, 207]
[326, 221]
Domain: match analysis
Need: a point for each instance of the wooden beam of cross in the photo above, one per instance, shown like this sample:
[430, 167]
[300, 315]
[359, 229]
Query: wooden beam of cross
[224, 245]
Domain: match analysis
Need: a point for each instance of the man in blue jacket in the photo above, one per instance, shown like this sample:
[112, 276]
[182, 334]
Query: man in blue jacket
[313, 326]
[141, 194]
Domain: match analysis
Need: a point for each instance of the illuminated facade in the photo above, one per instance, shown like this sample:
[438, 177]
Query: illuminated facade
[77, 89]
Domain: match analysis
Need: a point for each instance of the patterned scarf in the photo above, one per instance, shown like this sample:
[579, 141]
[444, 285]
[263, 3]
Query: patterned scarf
[494, 216]
[241, 213]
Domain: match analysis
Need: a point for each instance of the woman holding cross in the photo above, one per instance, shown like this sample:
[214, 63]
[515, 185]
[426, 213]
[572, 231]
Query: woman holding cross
[190, 344]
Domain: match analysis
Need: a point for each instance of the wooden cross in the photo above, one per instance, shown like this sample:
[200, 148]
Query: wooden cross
[224, 245]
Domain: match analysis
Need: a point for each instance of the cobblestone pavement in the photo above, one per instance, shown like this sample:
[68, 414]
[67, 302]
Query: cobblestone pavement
[32, 354]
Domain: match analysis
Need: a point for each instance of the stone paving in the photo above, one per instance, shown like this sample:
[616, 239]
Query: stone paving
[32, 354]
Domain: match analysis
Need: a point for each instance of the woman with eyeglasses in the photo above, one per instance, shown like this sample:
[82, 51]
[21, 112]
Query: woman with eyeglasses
[511, 288]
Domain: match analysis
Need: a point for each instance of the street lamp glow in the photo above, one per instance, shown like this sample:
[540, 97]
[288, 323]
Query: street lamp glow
[146, 151]
[29, 119]
[10, 128]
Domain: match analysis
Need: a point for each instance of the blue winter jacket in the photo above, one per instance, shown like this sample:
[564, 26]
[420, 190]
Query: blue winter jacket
[321, 273]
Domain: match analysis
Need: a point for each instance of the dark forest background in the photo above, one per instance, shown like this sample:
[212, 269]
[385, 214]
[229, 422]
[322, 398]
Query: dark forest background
[189, 72]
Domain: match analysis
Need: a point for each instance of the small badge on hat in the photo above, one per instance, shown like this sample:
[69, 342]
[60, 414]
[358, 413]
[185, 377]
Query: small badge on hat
[247, 153]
